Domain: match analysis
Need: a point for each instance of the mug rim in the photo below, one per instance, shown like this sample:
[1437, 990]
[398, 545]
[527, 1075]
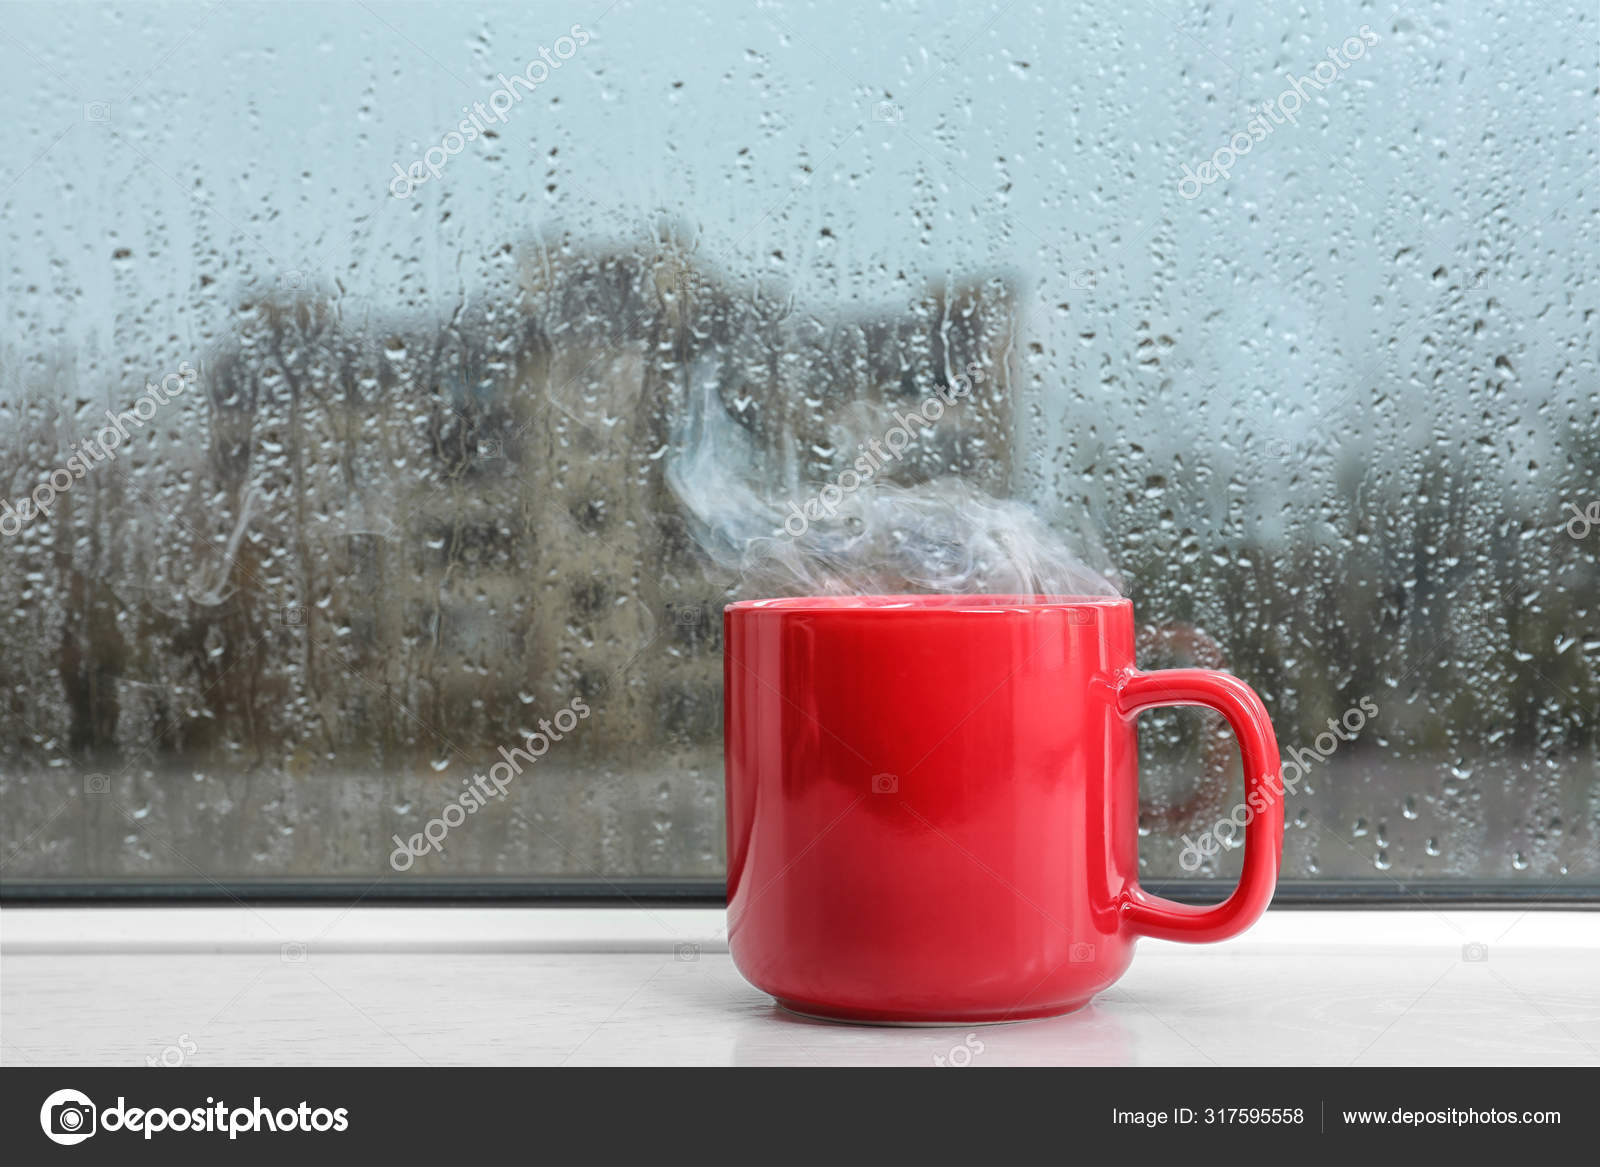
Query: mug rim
[926, 602]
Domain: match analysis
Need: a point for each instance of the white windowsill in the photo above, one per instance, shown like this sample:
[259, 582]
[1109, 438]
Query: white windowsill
[583, 986]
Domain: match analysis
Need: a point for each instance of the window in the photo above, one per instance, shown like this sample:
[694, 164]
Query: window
[346, 356]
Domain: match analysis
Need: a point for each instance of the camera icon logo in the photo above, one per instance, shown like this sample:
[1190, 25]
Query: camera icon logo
[96, 784]
[888, 113]
[1081, 954]
[1475, 952]
[97, 112]
[1080, 279]
[68, 1117]
[692, 283]
[489, 449]
[685, 615]
[885, 784]
[1278, 449]
[686, 952]
[294, 952]
[292, 616]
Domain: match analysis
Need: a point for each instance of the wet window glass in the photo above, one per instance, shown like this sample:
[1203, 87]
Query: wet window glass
[390, 395]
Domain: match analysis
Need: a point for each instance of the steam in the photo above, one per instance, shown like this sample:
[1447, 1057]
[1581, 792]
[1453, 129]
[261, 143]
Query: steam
[874, 539]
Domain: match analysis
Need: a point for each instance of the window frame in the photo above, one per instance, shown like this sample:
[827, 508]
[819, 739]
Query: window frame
[630, 891]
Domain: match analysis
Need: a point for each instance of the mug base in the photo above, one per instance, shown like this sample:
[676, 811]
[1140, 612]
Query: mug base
[815, 1012]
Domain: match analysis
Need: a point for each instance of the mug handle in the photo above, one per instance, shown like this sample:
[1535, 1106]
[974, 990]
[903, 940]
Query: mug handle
[1164, 919]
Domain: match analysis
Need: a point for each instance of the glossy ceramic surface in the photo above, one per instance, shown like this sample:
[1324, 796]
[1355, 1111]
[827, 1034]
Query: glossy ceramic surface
[933, 801]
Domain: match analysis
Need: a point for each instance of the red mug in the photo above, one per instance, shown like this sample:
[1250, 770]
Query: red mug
[933, 804]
